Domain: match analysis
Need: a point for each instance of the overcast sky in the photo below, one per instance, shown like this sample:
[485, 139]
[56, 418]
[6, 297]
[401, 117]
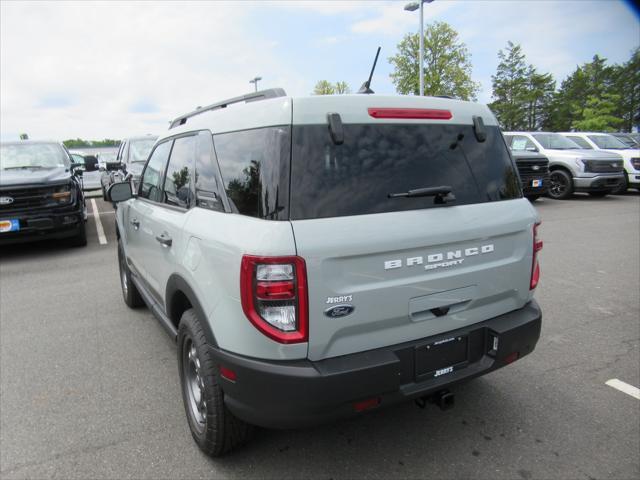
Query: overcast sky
[96, 70]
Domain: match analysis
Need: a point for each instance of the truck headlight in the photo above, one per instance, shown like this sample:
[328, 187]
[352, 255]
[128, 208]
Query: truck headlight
[62, 195]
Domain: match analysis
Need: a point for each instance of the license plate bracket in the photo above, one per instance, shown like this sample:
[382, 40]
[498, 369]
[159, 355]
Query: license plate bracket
[442, 356]
[536, 183]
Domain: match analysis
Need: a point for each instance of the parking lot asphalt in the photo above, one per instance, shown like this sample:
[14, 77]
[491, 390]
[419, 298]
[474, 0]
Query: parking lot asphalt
[89, 388]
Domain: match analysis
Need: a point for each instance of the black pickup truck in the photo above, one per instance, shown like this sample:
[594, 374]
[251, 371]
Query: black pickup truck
[41, 193]
[534, 173]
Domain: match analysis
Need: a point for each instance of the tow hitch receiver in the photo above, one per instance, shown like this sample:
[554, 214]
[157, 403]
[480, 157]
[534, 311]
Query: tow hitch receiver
[443, 398]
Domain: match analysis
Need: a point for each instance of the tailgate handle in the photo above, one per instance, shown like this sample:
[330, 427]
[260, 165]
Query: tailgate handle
[440, 311]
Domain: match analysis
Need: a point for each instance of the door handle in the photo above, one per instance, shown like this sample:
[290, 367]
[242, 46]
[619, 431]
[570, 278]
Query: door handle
[135, 223]
[165, 240]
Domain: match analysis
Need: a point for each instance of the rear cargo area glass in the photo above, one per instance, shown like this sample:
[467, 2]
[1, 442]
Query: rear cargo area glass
[355, 178]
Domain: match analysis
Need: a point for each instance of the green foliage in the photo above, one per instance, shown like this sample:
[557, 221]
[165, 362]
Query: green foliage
[24, 136]
[521, 94]
[598, 114]
[447, 64]
[324, 87]
[627, 84]
[80, 143]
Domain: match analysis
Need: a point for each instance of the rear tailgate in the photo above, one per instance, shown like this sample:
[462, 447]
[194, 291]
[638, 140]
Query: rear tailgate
[346, 257]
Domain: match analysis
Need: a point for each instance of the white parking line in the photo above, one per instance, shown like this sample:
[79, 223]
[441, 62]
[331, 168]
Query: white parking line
[624, 387]
[101, 237]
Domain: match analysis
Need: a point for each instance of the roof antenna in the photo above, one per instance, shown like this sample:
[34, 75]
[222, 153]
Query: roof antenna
[365, 88]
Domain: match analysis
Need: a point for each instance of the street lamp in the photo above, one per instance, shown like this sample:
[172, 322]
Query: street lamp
[412, 7]
[255, 82]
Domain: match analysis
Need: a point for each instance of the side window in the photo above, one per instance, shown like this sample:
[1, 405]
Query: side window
[207, 188]
[582, 143]
[119, 154]
[255, 170]
[520, 143]
[150, 186]
[177, 183]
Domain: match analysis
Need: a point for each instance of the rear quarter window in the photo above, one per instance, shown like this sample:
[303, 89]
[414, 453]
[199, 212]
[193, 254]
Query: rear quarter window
[355, 178]
[255, 170]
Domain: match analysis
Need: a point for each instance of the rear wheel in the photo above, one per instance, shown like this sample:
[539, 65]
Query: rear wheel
[214, 428]
[130, 293]
[560, 185]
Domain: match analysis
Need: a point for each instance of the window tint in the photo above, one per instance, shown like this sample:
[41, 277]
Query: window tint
[255, 170]
[207, 188]
[355, 178]
[520, 143]
[177, 183]
[150, 186]
[582, 143]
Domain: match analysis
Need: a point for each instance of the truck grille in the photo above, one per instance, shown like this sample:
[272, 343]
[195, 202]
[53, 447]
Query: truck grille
[533, 168]
[603, 166]
[26, 198]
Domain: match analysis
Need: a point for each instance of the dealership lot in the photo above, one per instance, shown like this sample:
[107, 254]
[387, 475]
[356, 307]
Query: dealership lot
[89, 388]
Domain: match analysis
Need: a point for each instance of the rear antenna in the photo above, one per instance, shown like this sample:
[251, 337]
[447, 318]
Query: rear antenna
[365, 88]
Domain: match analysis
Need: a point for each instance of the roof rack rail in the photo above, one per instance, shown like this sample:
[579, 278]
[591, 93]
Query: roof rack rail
[249, 97]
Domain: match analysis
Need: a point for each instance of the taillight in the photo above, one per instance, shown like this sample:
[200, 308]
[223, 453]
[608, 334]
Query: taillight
[274, 296]
[417, 113]
[535, 266]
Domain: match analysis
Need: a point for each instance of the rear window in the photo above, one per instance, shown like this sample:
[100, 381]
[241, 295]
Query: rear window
[355, 178]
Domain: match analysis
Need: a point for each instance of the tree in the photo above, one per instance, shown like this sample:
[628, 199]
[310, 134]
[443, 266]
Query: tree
[598, 114]
[540, 93]
[588, 83]
[627, 85]
[342, 88]
[510, 88]
[447, 64]
[324, 87]
[24, 136]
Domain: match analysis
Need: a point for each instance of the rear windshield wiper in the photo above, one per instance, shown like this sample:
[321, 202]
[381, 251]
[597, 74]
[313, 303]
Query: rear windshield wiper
[442, 194]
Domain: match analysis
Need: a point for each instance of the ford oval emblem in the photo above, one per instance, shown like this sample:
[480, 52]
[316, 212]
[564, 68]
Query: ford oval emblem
[6, 200]
[535, 167]
[339, 311]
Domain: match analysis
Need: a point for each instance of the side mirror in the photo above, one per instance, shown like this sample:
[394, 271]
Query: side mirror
[78, 172]
[90, 163]
[119, 192]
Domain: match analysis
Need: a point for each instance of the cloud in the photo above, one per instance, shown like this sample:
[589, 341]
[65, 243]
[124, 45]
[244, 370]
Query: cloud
[115, 58]
[392, 19]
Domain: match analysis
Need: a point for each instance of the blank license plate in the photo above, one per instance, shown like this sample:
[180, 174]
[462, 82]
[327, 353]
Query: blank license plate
[442, 356]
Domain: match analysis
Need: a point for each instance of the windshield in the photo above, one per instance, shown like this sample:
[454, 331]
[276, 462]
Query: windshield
[107, 157]
[375, 160]
[555, 141]
[32, 155]
[139, 149]
[607, 142]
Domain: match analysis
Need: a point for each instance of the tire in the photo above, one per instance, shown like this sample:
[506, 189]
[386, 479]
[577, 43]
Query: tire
[622, 188]
[104, 193]
[80, 239]
[213, 427]
[533, 198]
[560, 185]
[130, 293]
[600, 194]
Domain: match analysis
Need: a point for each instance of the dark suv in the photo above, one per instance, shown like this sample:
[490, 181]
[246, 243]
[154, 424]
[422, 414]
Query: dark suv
[40, 193]
[533, 168]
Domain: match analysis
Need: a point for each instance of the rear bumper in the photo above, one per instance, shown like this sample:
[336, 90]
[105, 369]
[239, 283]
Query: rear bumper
[43, 224]
[598, 182]
[277, 394]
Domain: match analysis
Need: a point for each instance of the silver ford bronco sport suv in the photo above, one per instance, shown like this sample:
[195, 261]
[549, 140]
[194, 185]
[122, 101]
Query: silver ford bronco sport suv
[319, 257]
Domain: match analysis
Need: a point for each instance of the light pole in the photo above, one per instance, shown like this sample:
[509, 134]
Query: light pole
[255, 82]
[412, 7]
